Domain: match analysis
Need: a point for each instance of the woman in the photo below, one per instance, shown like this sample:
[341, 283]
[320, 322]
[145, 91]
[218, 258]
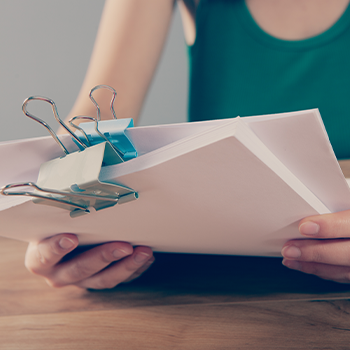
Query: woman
[246, 57]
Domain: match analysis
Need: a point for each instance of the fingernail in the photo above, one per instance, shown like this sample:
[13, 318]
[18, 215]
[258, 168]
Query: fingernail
[291, 252]
[292, 264]
[141, 257]
[309, 228]
[66, 243]
[120, 253]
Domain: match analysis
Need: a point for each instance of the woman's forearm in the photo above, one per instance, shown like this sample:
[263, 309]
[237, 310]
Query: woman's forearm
[129, 42]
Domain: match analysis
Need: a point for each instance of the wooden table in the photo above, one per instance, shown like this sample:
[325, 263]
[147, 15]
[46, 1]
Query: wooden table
[182, 302]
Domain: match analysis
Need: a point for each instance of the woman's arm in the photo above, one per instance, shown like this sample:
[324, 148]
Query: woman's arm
[129, 42]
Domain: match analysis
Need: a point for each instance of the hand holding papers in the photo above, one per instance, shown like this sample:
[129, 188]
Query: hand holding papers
[234, 186]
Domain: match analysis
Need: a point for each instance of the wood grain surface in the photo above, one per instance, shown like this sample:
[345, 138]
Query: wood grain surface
[184, 301]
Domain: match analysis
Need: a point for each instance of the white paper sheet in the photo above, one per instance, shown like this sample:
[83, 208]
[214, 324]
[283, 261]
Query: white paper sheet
[214, 196]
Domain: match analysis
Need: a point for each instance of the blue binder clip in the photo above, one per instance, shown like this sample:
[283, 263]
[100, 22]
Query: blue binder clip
[112, 131]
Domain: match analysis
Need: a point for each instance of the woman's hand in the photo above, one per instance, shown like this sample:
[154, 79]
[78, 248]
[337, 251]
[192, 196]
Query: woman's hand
[101, 267]
[329, 255]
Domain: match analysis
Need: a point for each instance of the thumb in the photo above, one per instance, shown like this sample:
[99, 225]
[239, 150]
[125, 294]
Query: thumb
[42, 256]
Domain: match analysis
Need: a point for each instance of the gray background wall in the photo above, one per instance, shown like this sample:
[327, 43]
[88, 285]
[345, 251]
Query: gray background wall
[45, 49]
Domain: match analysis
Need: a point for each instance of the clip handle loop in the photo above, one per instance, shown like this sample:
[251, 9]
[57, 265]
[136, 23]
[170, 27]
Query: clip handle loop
[47, 126]
[102, 86]
[59, 120]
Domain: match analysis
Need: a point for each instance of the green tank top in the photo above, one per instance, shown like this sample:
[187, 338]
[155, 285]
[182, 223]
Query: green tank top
[238, 69]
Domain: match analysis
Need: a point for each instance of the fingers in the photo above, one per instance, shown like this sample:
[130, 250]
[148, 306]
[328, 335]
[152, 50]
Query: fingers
[42, 256]
[327, 259]
[87, 264]
[328, 254]
[122, 271]
[100, 267]
[334, 273]
[332, 252]
[335, 225]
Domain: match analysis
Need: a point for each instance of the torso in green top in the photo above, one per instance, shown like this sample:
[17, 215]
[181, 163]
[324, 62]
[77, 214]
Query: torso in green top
[238, 69]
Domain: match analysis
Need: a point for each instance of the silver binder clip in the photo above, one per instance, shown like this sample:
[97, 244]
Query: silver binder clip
[72, 181]
[57, 117]
[112, 130]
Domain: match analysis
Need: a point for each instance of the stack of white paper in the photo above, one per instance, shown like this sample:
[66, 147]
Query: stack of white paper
[233, 186]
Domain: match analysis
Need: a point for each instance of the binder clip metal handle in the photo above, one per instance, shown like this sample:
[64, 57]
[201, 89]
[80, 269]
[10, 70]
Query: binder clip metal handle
[102, 86]
[112, 131]
[55, 112]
